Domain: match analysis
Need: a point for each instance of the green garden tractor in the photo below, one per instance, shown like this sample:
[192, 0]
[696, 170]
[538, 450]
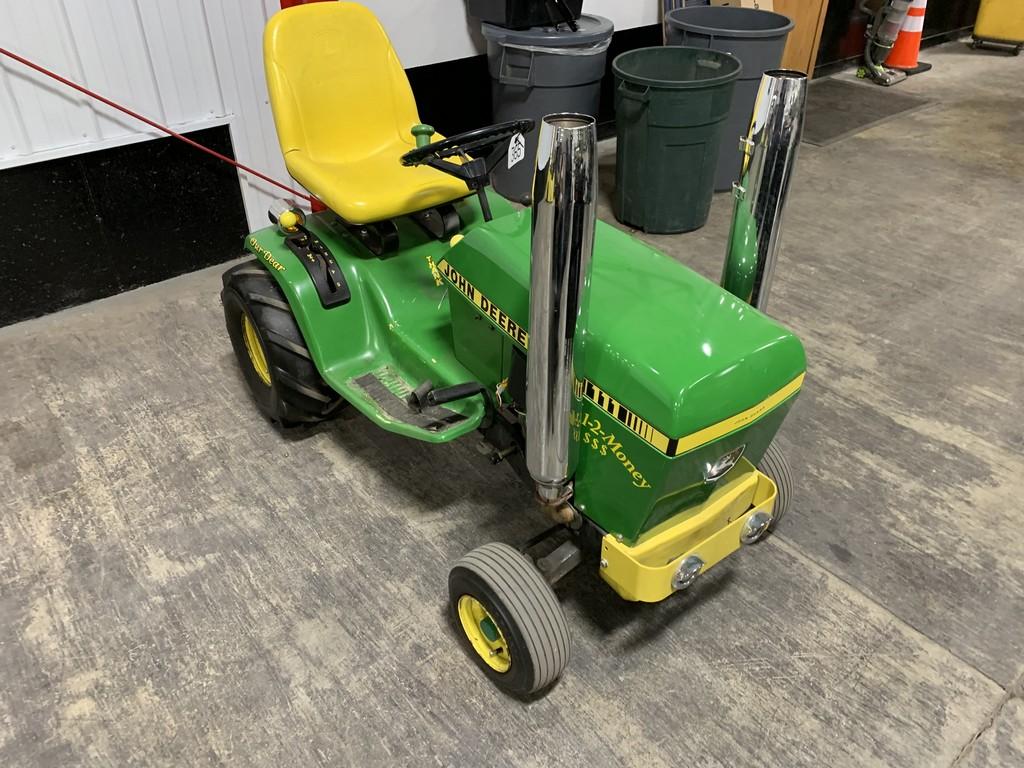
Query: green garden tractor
[638, 399]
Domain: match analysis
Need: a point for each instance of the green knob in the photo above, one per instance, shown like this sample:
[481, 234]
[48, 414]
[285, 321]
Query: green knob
[422, 133]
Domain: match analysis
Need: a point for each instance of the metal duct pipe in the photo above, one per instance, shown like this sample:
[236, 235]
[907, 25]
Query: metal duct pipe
[564, 216]
[769, 153]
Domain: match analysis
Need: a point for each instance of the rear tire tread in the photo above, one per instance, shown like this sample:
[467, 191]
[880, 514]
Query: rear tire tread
[270, 302]
[278, 340]
[298, 394]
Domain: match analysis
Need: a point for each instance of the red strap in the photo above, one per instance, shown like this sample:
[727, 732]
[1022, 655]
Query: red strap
[147, 121]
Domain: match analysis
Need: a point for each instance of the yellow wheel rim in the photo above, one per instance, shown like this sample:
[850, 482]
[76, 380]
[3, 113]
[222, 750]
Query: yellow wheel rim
[254, 347]
[483, 632]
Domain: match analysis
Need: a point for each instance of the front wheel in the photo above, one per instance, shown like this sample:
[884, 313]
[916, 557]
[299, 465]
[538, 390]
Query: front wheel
[508, 619]
[774, 465]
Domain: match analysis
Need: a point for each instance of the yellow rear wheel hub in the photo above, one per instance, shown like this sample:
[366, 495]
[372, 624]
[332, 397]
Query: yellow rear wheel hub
[254, 347]
[484, 634]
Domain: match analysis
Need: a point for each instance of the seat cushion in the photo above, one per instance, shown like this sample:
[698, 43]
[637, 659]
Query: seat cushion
[374, 187]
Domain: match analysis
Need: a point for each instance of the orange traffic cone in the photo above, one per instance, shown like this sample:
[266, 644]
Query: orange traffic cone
[908, 45]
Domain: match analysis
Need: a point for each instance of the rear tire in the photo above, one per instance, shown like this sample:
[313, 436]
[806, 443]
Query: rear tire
[774, 465]
[508, 619]
[271, 350]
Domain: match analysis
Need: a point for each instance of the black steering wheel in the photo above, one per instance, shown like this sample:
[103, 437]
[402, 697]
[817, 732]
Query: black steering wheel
[488, 142]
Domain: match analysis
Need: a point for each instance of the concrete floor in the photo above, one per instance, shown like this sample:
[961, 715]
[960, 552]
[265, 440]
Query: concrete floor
[180, 585]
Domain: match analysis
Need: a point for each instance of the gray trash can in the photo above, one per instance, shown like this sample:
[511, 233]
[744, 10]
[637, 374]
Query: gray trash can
[536, 72]
[757, 38]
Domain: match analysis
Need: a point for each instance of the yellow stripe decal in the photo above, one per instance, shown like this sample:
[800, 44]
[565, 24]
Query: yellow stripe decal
[623, 415]
[740, 420]
[677, 446]
[510, 327]
[585, 388]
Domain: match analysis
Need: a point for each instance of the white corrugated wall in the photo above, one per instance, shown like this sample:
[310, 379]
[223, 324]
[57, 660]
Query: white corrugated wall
[236, 39]
[145, 54]
[189, 64]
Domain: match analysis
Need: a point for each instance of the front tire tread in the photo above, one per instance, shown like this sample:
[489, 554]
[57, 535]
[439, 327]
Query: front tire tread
[513, 590]
[775, 465]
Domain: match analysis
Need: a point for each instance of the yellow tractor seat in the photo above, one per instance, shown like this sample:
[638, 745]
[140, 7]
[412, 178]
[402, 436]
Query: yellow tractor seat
[344, 111]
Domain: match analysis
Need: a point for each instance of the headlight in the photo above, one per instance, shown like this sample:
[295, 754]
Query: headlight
[715, 470]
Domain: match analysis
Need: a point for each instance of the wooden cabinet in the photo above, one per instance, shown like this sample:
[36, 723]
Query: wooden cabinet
[802, 46]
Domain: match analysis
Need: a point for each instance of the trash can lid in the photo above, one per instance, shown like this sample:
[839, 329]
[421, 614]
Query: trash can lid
[729, 21]
[677, 67]
[592, 29]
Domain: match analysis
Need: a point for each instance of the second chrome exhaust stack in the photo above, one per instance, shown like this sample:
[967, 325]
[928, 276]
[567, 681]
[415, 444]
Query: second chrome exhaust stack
[769, 153]
[564, 217]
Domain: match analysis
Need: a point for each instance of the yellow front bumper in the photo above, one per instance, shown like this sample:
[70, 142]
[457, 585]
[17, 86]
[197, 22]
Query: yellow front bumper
[643, 572]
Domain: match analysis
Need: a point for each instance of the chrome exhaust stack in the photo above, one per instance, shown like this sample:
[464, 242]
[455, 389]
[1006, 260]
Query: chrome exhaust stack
[769, 153]
[564, 217]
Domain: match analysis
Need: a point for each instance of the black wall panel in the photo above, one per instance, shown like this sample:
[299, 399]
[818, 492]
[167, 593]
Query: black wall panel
[84, 227]
[842, 37]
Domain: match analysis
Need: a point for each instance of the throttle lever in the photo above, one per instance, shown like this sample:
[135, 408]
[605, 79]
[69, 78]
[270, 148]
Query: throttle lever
[425, 396]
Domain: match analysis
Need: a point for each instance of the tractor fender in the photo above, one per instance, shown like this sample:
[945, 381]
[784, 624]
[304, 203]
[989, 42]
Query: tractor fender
[328, 349]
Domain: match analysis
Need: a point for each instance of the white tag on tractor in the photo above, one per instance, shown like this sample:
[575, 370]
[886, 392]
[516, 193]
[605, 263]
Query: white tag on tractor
[516, 150]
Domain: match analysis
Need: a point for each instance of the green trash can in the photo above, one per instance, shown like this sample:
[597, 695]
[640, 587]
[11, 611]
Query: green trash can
[671, 104]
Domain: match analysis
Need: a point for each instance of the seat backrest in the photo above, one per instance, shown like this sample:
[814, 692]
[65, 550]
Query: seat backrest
[337, 88]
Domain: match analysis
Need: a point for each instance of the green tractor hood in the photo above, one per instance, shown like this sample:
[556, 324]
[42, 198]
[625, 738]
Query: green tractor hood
[672, 371]
[673, 347]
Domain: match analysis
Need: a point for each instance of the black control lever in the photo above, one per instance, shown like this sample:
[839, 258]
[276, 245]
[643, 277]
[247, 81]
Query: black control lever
[425, 396]
[321, 265]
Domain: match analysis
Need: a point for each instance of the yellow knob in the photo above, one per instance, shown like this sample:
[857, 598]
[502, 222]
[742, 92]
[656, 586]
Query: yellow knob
[456, 239]
[288, 220]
